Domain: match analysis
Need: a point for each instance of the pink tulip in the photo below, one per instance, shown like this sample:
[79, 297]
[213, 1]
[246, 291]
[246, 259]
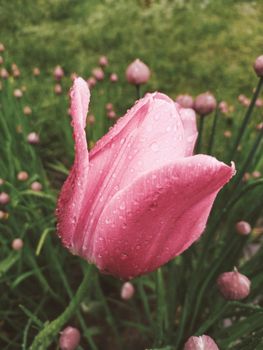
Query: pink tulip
[200, 343]
[186, 101]
[139, 198]
[138, 73]
[58, 73]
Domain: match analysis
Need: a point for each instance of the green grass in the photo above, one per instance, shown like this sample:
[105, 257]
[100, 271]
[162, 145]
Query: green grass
[190, 47]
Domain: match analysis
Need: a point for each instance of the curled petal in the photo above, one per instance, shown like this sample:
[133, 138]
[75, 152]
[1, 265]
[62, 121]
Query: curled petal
[157, 217]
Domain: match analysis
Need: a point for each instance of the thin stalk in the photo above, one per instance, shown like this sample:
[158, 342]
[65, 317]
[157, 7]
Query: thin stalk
[162, 317]
[213, 132]
[246, 119]
[138, 91]
[145, 302]
[47, 334]
[200, 134]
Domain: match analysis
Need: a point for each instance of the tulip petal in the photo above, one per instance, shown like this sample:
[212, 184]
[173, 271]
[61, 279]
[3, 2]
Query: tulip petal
[71, 196]
[156, 217]
[188, 118]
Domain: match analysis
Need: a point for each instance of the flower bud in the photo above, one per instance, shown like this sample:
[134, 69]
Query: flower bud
[69, 339]
[2, 181]
[4, 73]
[22, 176]
[73, 76]
[17, 244]
[246, 177]
[114, 77]
[1, 60]
[103, 61]
[186, 101]
[4, 198]
[58, 73]
[127, 291]
[27, 110]
[90, 119]
[58, 89]
[259, 126]
[258, 66]
[227, 134]
[109, 106]
[259, 102]
[256, 174]
[33, 138]
[223, 107]
[233, 285]
[18, 93]
[16, 73]
[205, 103]
[3, 215]
[91, 82]
[36, 72]
[2, 48]
[243, 228]
[203, 342]
[36, 186]
[98, 73]
[111, 114]
[137, 73]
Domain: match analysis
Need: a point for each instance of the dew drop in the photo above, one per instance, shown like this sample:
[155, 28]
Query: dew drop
[124, 256]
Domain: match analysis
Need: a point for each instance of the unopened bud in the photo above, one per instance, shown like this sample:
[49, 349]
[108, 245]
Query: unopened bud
[233, 285]
[91, 82]
[127, 291]
[58, 89]
[186, 101]
[243, 228]
[58, 73]
[98, 73]
[114, 77]
[18, 93]
[4, 198]
[36, 186]
[4, 73]
[27, 110]
[258, 66]
[137, 73]
[69, 339]
[22, 176]
[17, 244]
[205, 103]
[33, 138]
[203, 342]
[36, 71]
[103, 61]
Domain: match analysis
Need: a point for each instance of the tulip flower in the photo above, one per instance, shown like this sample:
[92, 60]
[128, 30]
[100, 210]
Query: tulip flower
[140, 197]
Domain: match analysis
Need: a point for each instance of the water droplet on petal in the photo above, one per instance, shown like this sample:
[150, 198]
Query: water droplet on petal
[124, 256]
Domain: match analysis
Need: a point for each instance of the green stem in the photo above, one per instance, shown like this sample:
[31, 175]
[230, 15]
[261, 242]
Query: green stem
[246, 119]
[162, 318]
[138, 91]
[212, 136]
[46, 335]
[200, 134]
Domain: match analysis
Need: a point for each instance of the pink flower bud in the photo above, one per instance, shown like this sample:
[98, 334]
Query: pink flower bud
[259, 102]
[2, 181]
[98, 73]
[246, 177]
[36, 186]
[103, 61]
[33, 138]
[4, 73]
[17, 244]
[114, 77]
[58, 89]
[109, 106]
[111, 115]
[90, 119]
[91, 82]
[227, 134]
[69, 339]
[22, 176]
[203, 342]
[256, 174]
[4, 198]
[18, 93]
[1, 60]
[205, 103]
[185, 101]
[27, 110]
[223, 107]
[259, 126]
[58, 73]
[137, 73]
[243, 228]
[16, 73]
[36, 72]
[127, 291]
[2, 48]
[233, 285]
[258, 66]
